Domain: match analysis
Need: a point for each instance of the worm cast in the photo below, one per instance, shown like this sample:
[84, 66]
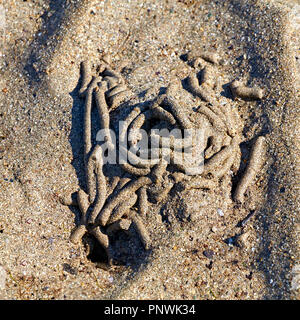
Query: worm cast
[122, 224]
[116, 90]
[122, 208]
[113, 184]
[108, 207]
[123, 194]
[143, 201]
[208, 76]
[135, 171]
[141, 230]
[87, 117]
[211, 57]
[204, 91]
[158, 171]
[83, 203]
[100, 182]
[86, 77]
[255, 164]
[104, 118]
[217, 123]
[218, 159]
[178, 113]
[240, 90]
[200, 183]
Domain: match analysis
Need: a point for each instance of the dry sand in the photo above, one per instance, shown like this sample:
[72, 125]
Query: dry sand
[41, 153]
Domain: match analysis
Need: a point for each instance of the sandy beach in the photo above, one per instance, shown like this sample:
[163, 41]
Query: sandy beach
[204, 242]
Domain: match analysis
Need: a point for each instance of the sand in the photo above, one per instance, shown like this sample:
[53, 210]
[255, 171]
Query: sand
[198, 251]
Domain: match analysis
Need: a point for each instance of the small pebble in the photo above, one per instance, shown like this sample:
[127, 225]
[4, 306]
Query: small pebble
[230, 241]
[28, 221]
[208, 253]
[220, 212]
[214, 229]
[242, 240]
[69, 269]
[23, 263]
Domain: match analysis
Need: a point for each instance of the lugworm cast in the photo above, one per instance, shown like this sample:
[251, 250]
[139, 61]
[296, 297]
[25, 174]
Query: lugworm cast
[178, 113]
[103, 115]
[118, 98]
[90, 173]
[116, 90]
[122, 224]
[240, 90]
[128, 189]
[86, 77]
[216, 145]
[162, 114]
[218, 159]
[83, 203]
[213, 118]
[200, 183]
[101, 184]
[158, 171]
[141, 230]
[122, 208]
[208, 76]
[87, 117]
[226, 166]
[113, 184]
[255, 163]
[143, 201]
[204, 92]
[112, 82]
[132, 115]
[135, 171]
[211, 57]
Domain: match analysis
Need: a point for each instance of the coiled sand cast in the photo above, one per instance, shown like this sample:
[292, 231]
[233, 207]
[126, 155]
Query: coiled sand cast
[108, 206]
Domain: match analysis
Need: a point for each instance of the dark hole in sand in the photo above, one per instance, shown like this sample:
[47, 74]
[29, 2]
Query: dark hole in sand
[126, 248]
[97, 252]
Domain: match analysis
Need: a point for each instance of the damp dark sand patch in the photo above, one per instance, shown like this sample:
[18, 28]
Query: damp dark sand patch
[45, 158]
